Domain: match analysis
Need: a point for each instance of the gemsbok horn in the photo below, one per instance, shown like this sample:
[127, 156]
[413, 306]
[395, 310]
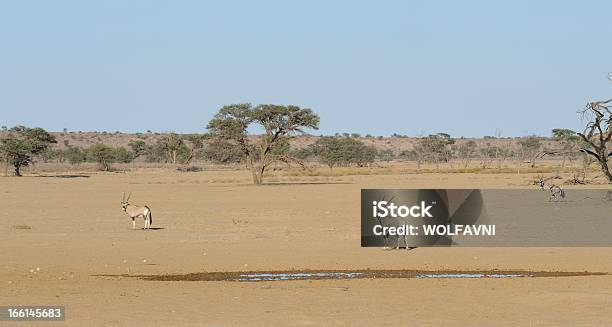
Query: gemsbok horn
[135, 211]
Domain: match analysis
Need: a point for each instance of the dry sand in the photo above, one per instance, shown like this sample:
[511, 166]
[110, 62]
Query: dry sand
[216, 221]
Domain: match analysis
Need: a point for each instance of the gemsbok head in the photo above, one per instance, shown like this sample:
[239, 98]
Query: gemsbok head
[135, 211]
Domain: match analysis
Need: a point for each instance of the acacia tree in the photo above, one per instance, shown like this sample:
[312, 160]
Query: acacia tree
[329, 151]
[139, 147]
[568, 141]
[195, 144]
[598, 133]
[434, 148]
[171, 145]
[278, 121]
[21, 144]
[103, 155]
[386, 155]
[529, 149]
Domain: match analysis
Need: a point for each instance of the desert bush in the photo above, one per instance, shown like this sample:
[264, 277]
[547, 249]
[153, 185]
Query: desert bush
[75, 155]
[167, 150]
[155, 153]
[123, 155]
[343, 151]
[105, 155]
[410, 155]
[386, 155]
[223, 152]
[364, 155]
[51, 154]
[101, 154]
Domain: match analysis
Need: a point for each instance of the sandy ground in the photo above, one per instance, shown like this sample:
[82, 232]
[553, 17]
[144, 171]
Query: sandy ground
[216, 221]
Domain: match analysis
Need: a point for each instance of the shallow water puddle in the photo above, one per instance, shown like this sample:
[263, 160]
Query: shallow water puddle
[262, 276]
[349, 275]
[297, 276]
[473, 275]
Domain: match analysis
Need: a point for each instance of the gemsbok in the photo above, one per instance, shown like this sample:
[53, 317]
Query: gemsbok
[541, 181]
[556, 192]
[135, 211]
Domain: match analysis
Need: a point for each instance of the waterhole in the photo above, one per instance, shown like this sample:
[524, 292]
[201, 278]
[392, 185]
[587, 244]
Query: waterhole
[261, 276]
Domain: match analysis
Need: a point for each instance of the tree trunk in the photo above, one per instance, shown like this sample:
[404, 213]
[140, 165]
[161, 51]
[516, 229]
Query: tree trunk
[257, 176]
[257, 170]
[497, 158]
[533, 161]
[18, 170]
[563, 162]
[604, 165]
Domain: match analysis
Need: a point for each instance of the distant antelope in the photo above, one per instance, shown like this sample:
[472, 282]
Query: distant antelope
[541, 181]
[556, 192]
[135, 211]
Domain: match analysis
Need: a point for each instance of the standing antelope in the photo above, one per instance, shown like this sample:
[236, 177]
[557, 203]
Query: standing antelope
[541, 181]
[135, 211]
[556, 192]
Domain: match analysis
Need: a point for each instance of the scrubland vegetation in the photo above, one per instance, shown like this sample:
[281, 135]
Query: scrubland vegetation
[284, 145]
[316, 155]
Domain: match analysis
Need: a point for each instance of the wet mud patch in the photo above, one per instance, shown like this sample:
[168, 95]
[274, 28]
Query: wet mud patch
[261, 276]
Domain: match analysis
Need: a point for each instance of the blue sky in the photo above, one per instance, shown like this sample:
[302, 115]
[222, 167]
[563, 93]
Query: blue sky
[378, 67]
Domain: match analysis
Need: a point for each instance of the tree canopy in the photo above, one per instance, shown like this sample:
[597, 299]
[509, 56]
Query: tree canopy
[232, 122]
[21, 144]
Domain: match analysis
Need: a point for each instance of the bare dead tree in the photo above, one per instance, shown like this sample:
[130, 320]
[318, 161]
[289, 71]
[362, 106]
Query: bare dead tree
[598, 133]
[541, 155]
